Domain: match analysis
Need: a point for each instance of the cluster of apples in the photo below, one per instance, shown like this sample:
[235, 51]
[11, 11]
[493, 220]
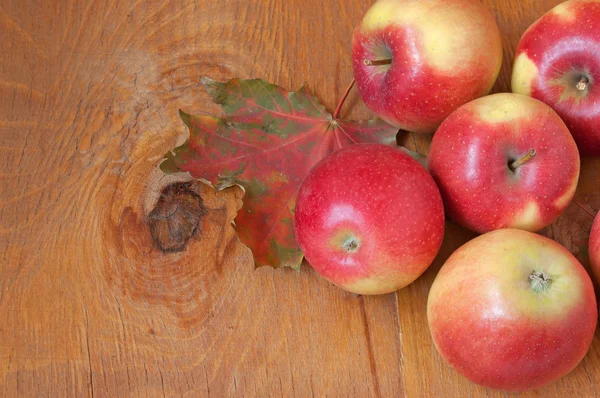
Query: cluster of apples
[511, 309]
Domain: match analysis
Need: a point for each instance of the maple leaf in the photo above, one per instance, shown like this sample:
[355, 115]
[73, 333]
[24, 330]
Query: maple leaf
[266, 142]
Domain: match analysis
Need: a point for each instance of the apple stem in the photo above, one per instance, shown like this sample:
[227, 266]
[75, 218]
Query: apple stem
[336, 114]
[540, 282]
[377, 62]
[582, 84]
[526, 158]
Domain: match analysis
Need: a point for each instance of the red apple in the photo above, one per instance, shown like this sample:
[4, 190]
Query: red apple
[416, 61]
[369, 218]
[512, 310]
[558, 62]
[504, 161]
[594, 248]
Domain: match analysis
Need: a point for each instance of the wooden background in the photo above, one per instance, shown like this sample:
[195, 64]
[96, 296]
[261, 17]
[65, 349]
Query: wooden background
[89, 92]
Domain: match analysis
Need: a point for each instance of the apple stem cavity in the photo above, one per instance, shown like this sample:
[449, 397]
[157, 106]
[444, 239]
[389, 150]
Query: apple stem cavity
[377, 62]
[336, 114]
[539, 281]
[521, 161]
[582, 84]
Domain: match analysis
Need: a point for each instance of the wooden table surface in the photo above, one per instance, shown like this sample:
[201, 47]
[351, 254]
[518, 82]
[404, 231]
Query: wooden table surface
[89, 93]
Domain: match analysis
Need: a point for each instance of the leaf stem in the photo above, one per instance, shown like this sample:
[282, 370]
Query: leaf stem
[336, 114]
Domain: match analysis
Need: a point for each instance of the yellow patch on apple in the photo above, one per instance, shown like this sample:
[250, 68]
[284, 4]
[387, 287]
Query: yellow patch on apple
[445, 50]
[528, 217]
[501, 108]
[554, 264]
[564, 11]
[524, 73]
[377, 284]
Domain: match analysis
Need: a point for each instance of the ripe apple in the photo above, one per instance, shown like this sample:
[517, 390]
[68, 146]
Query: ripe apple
[558, 62]
[594, 248]
[512, 310]
[416, 61]
[504, 161]
[369, 218]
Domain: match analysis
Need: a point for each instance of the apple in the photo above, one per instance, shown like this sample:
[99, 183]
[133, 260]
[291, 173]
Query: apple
[504, 161]
[512, 310]
[416, 61]
[369, 218]
[594, 248]
[558, 62]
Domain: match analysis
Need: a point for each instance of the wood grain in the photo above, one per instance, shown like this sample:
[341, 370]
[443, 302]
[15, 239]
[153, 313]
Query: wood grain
[89, 93]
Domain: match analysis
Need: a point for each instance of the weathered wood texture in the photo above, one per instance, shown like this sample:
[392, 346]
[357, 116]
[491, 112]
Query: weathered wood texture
[89, 93]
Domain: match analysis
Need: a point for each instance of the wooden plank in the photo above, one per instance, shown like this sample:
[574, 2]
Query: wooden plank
[89, 93]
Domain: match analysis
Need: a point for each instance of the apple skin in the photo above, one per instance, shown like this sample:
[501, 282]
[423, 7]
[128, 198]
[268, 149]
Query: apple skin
[369, 218]
[552, 56]
[470, 153]
[491, 325]
[594, 248]
[444, 53]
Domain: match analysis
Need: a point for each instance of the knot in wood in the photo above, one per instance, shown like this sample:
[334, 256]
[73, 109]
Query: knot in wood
[176, 217]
